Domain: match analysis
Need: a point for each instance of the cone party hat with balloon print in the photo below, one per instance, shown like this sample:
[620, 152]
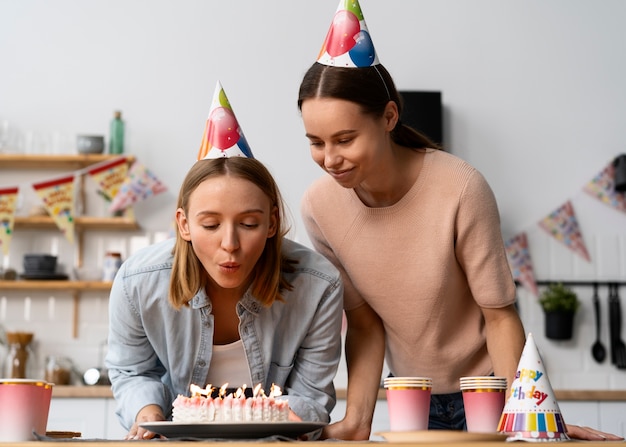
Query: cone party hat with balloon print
[222, 135]
[531, 412]
[348, 42]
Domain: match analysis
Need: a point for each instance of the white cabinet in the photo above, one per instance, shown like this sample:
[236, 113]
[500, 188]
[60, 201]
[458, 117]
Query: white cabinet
[612, 417]
[606, 416]
[586, 414]
[94, 418]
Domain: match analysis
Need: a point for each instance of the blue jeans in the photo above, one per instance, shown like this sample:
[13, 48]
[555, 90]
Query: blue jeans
[447, 412]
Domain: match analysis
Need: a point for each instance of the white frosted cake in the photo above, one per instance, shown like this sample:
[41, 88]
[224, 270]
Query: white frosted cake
[200, 407]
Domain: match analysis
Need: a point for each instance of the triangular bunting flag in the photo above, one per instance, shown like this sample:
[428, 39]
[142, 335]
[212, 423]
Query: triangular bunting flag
[602, 187]
[139, 185]
[8, 202]
[58, 199]
[519, 260]
[110, 176]
[563, 226]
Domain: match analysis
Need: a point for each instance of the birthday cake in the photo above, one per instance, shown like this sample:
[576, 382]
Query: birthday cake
[201, 407]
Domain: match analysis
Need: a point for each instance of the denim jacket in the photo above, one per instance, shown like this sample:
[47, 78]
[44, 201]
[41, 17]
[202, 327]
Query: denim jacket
[156, 352]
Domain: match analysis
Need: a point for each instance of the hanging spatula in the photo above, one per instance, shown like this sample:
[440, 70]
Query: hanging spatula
[598, 351]
[618, 348]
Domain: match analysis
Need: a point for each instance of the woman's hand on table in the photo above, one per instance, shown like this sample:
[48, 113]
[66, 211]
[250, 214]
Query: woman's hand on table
[346, 431]
[149, 413]
[590, 434]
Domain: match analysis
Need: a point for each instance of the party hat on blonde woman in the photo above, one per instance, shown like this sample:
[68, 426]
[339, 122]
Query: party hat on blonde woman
[348, 42]
[222, 135]
[531, 412]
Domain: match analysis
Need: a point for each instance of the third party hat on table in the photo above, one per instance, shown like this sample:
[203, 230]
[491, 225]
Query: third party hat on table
[532, 412]
[348, 42]
[222, 135]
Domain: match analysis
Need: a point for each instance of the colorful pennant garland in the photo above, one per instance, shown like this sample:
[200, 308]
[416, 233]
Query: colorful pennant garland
[602, 187]
[110, 176]
[563, 226]
[519, 260]
[58, 199]
[139, 185]
[8, 203]
[58, 194]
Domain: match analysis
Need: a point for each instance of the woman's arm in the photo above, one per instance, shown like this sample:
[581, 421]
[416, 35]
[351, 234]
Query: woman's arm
[133, 365]
[365, 352]
[505, 340]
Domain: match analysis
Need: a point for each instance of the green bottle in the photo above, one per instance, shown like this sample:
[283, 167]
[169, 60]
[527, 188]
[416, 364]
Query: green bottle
[116, 137]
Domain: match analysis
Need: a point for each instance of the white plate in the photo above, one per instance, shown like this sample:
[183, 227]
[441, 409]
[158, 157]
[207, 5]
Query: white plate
[239, 430]
[434, 436]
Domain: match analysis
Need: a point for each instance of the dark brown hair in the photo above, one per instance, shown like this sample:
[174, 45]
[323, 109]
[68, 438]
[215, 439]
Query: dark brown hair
[188, 274]
[370, 87]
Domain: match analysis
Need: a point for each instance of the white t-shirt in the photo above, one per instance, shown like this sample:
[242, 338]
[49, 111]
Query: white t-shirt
[229, 365]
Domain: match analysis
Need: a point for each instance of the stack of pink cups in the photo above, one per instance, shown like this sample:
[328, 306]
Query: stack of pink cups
[24, 407]
[408, 401]
[483, 399]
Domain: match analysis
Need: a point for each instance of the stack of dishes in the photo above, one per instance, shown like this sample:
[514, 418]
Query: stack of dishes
[41, 266]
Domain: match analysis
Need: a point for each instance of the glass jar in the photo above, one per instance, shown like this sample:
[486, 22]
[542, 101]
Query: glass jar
[19, 360]
[111, 264]
[58, 370]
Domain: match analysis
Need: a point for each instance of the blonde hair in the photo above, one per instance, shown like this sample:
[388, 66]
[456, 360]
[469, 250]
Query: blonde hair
[188, 274]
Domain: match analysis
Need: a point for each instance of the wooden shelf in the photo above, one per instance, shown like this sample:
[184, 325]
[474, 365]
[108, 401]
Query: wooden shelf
[74, 288]
[73, 161]
[44, 284]
[81, 223]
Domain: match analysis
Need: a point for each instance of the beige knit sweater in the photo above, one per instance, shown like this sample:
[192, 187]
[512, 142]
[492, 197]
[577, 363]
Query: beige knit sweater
[425, 264]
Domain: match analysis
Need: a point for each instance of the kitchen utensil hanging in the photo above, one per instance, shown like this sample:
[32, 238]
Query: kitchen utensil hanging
[598, 351]
[618, 347]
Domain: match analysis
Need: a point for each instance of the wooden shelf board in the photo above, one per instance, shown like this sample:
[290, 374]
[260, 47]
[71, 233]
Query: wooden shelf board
[85, 222]
[67, 161]
[43, 284]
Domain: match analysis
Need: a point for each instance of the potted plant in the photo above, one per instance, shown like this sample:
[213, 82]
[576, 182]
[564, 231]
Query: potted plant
[559, 303]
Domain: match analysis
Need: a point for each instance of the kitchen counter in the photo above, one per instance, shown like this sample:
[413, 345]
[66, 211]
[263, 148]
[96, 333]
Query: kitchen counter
[562, 395]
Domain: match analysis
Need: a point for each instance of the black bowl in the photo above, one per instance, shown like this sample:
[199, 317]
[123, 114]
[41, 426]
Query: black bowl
[39, 263]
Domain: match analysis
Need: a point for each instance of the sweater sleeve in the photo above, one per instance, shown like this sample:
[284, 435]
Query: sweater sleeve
[351, 298]
[479, 246]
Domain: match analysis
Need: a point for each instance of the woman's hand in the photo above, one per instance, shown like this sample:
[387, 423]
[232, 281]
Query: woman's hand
[346, 431]
[590, 434]
[149, 413]
[293, 417]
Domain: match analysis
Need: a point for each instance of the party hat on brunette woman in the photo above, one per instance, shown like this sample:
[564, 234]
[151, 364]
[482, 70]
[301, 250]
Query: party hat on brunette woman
[532, 412]
[222, 135]
[348, 42]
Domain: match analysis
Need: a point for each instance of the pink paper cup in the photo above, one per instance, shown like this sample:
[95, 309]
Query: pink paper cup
[408, 403]
[483, 404]
[24, 407]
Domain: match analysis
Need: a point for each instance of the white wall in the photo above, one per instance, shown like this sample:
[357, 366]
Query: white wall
[533, 90]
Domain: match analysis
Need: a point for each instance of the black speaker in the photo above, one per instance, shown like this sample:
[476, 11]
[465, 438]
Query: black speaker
[620, 173]
[423, 111]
